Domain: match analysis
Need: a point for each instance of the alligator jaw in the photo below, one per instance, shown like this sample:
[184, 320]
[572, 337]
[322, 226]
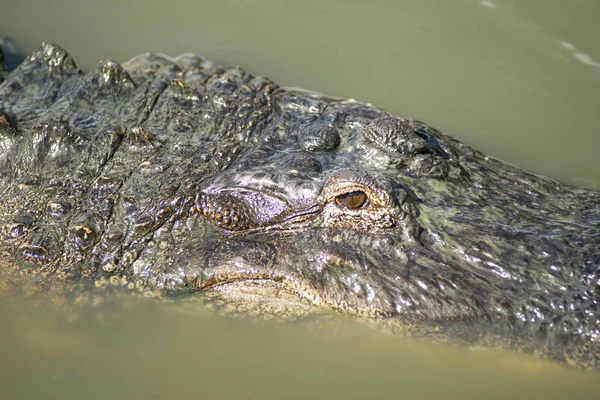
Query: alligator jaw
[261, 295]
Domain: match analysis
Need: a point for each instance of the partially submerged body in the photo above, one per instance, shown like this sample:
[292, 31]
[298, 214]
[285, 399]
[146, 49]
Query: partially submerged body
[170, 176]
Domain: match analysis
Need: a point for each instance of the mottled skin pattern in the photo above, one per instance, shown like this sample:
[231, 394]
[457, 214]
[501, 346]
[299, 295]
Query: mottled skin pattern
[170, 176]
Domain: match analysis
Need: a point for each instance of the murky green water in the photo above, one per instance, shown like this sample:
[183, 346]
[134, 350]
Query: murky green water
[517, 79]
[147, 351]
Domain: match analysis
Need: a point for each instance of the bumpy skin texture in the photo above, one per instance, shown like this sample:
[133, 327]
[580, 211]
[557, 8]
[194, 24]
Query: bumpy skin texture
[169, 176]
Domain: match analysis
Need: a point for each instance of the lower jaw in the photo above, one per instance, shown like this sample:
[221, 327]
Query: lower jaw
[262, 298]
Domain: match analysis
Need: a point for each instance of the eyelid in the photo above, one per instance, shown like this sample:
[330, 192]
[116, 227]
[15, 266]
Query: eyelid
[339, 188]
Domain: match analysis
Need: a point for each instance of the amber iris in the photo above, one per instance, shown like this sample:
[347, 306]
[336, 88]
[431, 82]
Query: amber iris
[352, 200]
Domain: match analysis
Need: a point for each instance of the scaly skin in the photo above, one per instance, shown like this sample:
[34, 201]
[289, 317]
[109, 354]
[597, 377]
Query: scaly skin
[170, 176]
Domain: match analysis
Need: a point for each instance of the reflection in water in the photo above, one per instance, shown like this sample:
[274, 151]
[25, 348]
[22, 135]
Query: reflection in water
[584, 58]
[587, 60]
[487, 3]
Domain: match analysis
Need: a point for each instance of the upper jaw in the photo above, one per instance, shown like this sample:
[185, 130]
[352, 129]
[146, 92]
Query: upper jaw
[337, 271]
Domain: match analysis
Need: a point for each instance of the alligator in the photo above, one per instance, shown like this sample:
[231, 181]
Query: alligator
[177, 176]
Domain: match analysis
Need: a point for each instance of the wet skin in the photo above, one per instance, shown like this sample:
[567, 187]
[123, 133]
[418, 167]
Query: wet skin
[170, 176]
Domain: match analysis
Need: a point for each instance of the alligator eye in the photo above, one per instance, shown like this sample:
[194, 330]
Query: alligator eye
[352, 200]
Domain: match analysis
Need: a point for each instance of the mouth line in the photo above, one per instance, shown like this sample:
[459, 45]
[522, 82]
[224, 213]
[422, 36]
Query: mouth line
[221, 280]
[261, 284]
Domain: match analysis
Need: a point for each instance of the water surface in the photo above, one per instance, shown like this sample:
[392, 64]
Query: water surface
[144, 350]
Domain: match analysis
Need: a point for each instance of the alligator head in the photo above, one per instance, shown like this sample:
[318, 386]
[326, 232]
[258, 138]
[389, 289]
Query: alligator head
[323, 201]
[177, 176]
